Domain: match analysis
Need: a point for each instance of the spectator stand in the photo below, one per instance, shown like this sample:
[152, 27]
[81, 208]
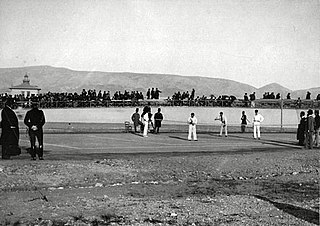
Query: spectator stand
[92, 99]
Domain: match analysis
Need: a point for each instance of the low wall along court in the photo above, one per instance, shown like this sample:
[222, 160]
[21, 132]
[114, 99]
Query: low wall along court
[172, 115]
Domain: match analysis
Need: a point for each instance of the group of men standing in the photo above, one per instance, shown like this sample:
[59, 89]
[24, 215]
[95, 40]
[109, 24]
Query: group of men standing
[146, 124]
[257, 120]
[145, 121]
[34, 120]
[308, 129]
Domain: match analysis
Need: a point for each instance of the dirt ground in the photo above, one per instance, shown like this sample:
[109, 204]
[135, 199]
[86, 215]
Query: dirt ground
[278, 186]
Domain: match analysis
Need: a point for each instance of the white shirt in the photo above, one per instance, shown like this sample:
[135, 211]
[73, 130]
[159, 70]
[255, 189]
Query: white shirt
[145, 119]
[257, 119]
[192, 121]
[222, 119]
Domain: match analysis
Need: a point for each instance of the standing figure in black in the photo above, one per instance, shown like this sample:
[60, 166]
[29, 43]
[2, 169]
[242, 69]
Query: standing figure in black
[35, 120]
[10, 130]
[136, 120]
[152, 93]
[309, 130]
[301, 128]
[158, 117]
[308, 96]
[246, 99]
[148, 94]
[244, 121]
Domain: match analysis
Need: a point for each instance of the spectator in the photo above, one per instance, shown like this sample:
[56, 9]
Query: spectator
[192, 94]
[148, 94]
[301, 128]
[9, 139]
[317, 127]
[298, 103]
[252, 97]
[308, 96]
[288, 96]
[309, 130]
[157, 94]
[152, 93]
[35, 120]
[246, 99]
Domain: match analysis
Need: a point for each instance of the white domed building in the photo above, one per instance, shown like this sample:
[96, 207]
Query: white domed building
[25, 89]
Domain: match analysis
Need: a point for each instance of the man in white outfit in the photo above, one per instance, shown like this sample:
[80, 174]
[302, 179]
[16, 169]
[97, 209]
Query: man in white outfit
[192, 121]
[257, 119]
[223, 120]
[145, 120]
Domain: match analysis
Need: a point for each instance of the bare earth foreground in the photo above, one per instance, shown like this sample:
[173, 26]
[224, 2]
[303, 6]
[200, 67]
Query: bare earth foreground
[124, 179]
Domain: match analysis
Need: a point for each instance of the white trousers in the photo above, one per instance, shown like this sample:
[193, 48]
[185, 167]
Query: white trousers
[192, 132]
[225, 130]
[145, 130]
[256, 131]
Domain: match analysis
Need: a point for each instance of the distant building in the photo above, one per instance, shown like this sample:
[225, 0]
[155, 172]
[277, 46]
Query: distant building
[25, 88]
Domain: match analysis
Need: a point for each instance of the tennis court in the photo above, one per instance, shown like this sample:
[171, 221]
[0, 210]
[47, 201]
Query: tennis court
[100, 145]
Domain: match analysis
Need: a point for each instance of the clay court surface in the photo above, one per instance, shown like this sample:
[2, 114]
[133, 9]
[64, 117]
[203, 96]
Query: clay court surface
[93, 145]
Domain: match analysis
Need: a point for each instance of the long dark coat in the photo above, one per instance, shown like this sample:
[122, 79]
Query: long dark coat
[10, 127]
[301, 130]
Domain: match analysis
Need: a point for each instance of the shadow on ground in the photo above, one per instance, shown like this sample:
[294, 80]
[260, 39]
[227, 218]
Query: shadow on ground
[301, 213]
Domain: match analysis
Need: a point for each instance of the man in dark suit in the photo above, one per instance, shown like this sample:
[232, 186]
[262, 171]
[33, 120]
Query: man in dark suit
[35, 120]
[158, 117]
[309, 130]
[10, 129]
[136, 120]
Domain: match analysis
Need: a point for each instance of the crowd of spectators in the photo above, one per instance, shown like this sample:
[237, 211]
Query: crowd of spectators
[104, 98]
[85, 95]
[153, 94]
[268, 95]
[178, 96]
[189, 98]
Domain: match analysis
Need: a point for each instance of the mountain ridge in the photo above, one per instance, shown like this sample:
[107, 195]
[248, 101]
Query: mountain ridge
[60, 79]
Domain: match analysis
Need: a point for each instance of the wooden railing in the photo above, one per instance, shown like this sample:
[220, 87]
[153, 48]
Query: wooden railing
[259, 103]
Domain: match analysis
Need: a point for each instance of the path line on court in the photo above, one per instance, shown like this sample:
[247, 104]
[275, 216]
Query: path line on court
[166, 147]
[57, 145]
[109, 138]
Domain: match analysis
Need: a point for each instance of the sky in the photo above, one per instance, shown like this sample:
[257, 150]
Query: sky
[256, 42]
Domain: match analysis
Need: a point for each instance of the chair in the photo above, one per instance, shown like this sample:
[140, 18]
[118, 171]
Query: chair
[127, 127]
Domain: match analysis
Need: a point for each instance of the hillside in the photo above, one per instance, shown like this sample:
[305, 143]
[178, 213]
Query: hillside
[65, 80]
[273, 87]
[55, 79]
[302, 93]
